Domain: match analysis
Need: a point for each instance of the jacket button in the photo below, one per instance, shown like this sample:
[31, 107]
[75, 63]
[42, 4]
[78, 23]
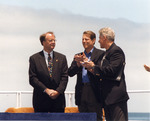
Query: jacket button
[100, 79]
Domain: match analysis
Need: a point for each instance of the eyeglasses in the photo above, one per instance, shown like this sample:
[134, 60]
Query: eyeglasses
[52, 40]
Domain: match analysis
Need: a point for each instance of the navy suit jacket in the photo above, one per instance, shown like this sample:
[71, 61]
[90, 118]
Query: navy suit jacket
[113, 91]
[40, 80]
[74, 69]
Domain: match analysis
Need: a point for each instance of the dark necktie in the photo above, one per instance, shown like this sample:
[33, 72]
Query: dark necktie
[50, 65]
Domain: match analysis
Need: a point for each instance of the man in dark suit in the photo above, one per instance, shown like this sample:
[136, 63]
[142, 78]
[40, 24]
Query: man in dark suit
[48, 76]
[87, 95]
[112, 78]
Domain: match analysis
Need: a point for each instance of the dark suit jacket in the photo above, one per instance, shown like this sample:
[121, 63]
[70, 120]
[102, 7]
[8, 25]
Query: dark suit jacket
[40, 80]
[74, 69]
[113, 91]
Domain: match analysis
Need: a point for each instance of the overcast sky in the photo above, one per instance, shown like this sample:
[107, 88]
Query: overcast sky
[134, 10]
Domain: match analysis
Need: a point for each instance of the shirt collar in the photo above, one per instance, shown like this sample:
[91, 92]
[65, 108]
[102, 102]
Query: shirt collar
[46, 54]
[89, 54]
[111, 47]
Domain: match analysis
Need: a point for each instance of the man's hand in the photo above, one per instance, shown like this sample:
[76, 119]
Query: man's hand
[88, 64]
[147, 68]
[52, 93]
[80, 58]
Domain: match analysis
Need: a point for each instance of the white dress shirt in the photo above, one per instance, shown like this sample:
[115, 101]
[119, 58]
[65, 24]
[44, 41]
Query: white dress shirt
[46, 56]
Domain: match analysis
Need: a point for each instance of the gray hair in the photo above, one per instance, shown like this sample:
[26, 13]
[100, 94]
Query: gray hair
[108, 32]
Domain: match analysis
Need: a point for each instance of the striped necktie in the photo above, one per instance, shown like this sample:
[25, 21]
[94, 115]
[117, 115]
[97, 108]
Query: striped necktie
[50, 65]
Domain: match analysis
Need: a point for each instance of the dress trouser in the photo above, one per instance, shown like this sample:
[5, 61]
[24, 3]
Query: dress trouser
[51, 105]
[89, 102]
[116, 112]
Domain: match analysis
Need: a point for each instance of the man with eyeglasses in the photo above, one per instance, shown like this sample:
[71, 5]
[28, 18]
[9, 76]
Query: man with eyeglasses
[48, 76]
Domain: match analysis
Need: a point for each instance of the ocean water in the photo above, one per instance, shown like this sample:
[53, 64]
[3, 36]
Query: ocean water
[139, 116]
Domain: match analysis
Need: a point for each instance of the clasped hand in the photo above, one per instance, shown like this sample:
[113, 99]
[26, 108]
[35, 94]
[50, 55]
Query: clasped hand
[52, 93]
[82, 60]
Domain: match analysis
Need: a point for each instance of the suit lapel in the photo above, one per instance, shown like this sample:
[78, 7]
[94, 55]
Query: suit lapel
[104, 60]
[93, 56]
[55, 63]
[43, 62]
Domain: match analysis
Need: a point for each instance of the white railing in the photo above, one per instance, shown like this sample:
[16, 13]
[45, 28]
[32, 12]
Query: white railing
[69, 95]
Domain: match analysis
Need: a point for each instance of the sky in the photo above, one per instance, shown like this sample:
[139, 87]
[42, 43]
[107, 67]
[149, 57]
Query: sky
[23, 21]
[134, 10]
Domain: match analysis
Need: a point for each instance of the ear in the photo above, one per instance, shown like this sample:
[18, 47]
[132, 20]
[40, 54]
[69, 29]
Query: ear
[104, 37]
[94, 41]
[43, 43]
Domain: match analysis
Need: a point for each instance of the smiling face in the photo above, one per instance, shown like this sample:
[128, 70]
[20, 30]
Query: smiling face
[87, 42]
[102, 41]
[49, 43]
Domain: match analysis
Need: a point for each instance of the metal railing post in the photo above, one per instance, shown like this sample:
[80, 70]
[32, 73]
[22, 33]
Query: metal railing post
[69, 95]
[69, 100]
[18, 95]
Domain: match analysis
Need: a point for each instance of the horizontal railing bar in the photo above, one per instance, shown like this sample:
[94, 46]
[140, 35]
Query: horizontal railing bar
[139, 91]
[67, 92]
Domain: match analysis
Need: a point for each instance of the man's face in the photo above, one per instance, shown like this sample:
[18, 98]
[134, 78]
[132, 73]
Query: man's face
[102, 41]
[49, 43]
[87, 42]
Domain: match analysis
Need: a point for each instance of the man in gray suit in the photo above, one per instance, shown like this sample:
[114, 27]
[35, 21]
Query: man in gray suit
[48, 76]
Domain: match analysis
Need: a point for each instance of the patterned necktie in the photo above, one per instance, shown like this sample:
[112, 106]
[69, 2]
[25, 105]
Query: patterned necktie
[50, 65]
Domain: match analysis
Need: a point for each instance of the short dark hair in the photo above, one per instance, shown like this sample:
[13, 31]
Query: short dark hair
[42, 37]
[91, 34]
